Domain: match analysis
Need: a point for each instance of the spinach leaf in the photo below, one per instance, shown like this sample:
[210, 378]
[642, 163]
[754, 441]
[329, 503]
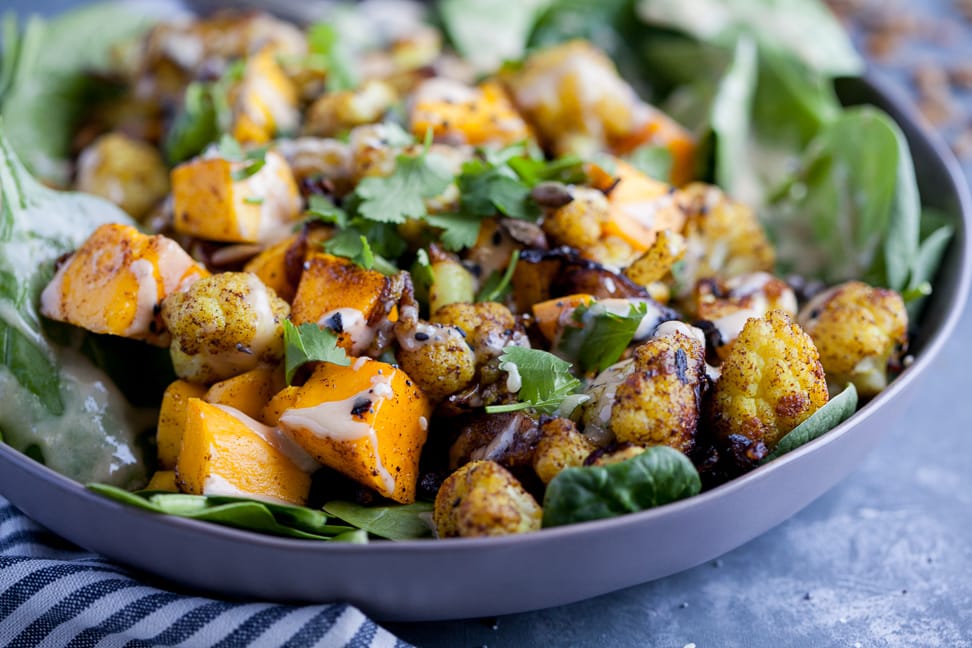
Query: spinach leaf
[46, 92]
[400, 522]
[657, 476]
[508, 24]
[241, 513]
[927, 260]
[837, 410]
[803, 29]
[57, 401]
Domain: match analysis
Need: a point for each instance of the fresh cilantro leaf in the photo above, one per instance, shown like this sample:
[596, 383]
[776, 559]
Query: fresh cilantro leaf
[601, 337]
[497, 286]
[352, 244]
[458, 231]
[544, 380]
[230, 149]
[323, 208]
[568, 169]
[329, 54]
[310, 343]
[251, 168]
[486, 189]
[253, 200]
[395, 198]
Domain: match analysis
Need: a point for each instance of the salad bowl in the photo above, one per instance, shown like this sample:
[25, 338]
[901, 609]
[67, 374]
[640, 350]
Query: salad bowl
[458, 578]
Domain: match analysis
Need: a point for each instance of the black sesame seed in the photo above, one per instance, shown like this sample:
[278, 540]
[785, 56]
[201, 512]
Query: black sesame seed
[361, 407]
[421, 337]
[335, 322]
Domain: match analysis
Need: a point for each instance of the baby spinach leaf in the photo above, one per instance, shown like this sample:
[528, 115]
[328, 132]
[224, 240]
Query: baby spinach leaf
[657, 476]
[399, 522]
[803, 29]
[927, 260]
[837, 410]
[45, 96]
[241, 513]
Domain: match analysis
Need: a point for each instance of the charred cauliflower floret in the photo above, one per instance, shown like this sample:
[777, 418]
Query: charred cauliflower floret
[578, 223]
[328, 160]
[560, 446]
[857, 330]
[489, 328]
[728, 304]
[658, 404]
[436, 357]
[771, 382]
[224, 325]
[483, 499]
[656, 263]
[723, 238]
[125, 171]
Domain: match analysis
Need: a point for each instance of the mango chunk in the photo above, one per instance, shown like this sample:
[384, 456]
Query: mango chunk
[265, 100]
[172, 419]
[344, 297]
[459, 114]
[163, 480]
[271, 266]
[222, 200]
[225, 452]
[116, 280]
[249, 392]
[367, 421]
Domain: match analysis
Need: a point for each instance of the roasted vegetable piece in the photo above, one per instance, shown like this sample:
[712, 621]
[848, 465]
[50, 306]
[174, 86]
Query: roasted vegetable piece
[451, 282]
[659, 403]
[560, 446]
[729, 304]
[224, 325]
[459, 114]
[337, 112]
[272, 266]
[489, 327]
[163, 480]
[264, 101]
[858, 330]
[367, 421]
[225, 452]
[172, 419]
[508, 439]
[248, 392]
[235, 201]
[656, 263]
[126, 171]
[483, 499]
[553, 314]
[356, 304]
[771, 382]
[437, 357]
[723, 237]
[115, 281]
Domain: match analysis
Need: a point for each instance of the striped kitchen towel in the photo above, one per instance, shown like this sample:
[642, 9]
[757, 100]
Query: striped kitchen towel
[53, 593]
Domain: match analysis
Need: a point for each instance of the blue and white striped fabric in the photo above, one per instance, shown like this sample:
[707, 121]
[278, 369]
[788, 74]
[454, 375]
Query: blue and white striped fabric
[53, 593]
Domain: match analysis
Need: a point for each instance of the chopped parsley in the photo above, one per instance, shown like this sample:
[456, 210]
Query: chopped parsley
[310, 343]
[544, 380]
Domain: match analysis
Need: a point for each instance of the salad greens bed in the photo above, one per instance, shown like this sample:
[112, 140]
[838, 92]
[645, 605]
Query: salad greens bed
[753, 79]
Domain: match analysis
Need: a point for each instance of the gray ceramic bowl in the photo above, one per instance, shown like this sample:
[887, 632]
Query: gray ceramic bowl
[425, 580]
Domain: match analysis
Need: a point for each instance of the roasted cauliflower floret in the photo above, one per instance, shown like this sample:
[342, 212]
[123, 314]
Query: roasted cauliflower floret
[723, 237]
[125, 171]
[658, 404]
[579, 222]
[489, 327]
[224, 325]
[771, 382]
[727, 305]
[335, 112]
[857, 330]
[656, 263]
[483, 499]
[560, 446]
[436, 357]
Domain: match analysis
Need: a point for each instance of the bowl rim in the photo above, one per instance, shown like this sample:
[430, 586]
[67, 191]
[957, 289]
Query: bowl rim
[905, 114]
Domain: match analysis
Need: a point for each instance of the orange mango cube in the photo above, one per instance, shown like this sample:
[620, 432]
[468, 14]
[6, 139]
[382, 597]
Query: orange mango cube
[249, 392]
[224, 452]
[116, 280]
[216, 200]
[367, 421]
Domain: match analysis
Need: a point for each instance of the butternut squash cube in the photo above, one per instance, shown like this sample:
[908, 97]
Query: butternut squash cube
[172, 419]
[344, 297]
[658, 129]
[116, 280]
[459, 114]
[225, 452]
[281, 402]
[163, 480]
[639, 207]
[265, 100]
[271, 266]
[553, 315]
[249, 392]
[219, 200]
[367, 421]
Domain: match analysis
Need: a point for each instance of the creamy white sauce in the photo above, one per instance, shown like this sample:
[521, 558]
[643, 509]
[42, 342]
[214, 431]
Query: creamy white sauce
[429, 333]
[218, 486]
[513, 379]
[602, 390]
[146, 297]
[423, 424]
[354, 323]
[279, 206]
